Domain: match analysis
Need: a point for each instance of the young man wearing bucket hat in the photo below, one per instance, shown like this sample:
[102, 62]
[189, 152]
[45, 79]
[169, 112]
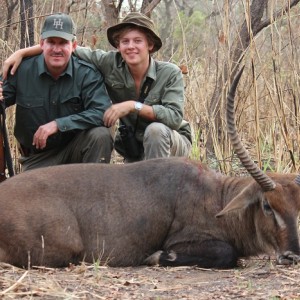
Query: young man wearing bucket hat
[147, 95]
[60, 102]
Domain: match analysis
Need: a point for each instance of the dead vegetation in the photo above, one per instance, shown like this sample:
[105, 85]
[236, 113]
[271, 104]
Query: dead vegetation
[268, 113]
[258, 278]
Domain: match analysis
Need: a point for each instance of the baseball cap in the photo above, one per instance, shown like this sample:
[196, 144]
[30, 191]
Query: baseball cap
[59, 25]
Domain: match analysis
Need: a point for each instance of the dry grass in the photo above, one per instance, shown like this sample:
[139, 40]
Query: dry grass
[267, 108]
[257, 279]
[267, 117]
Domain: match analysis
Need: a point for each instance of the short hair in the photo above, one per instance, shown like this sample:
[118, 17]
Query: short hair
[116, 35]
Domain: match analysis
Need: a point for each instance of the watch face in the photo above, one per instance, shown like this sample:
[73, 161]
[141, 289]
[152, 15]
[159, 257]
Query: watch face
[138, 105]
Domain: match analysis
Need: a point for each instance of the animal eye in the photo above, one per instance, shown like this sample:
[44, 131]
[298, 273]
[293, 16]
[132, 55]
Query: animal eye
[267, 208]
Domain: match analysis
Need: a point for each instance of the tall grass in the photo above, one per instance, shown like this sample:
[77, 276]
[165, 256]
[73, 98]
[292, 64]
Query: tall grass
[267, 99]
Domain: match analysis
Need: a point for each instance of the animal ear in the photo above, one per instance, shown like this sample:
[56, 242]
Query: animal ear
[247, 196]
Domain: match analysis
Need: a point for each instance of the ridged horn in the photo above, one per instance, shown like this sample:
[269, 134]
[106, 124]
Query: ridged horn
[266, 183]
[297, 179]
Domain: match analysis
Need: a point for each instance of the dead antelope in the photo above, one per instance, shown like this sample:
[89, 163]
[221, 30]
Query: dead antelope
[169, 212]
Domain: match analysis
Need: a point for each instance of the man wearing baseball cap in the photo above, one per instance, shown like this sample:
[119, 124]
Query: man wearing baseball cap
[147, 94]
[60, 102]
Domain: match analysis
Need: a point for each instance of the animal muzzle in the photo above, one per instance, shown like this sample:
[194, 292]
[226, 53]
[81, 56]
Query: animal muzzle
[288, 258]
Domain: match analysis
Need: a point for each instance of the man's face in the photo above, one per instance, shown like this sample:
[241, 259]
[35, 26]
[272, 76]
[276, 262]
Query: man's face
[134, 47]
[57, 53]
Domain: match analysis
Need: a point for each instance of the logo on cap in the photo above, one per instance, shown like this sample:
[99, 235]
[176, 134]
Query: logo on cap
[58, 23]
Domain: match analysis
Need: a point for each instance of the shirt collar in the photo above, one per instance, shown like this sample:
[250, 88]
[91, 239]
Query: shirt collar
[42, 69]
[151, 70]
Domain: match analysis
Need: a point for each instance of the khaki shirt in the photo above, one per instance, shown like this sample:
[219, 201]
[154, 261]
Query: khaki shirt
[166, 95]
[77, 100]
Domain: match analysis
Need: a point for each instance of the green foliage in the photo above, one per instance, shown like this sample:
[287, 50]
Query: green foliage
[196, 152]
[96, 265]
[268, 162]
[192, 24]
[267, 165]
[185, 32]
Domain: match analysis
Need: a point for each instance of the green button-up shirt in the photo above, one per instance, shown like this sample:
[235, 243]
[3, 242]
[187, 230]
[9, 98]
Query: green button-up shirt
[77, 100]
[166, 95]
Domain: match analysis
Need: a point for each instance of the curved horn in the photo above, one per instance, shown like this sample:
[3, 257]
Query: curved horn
[266, 183]
[297, 179]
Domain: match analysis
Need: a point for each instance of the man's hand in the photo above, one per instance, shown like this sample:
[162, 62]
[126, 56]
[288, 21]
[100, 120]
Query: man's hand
[16, 58]
[13, 61]
[117, 111]
[42, 134]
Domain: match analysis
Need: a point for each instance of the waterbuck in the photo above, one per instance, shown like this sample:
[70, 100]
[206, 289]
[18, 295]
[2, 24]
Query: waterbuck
[170, 212]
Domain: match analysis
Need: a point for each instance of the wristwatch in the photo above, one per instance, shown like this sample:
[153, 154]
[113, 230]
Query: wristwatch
[138, 106]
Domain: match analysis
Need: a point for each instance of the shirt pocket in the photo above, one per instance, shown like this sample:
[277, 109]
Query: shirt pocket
[114, 80]
[111, 82]
[30, 113]
[117, 85]
[71, 105]
[30, 102]
[117, 90]
[153, 99]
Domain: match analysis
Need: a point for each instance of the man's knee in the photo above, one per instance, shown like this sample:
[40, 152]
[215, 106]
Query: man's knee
[157, 141]
[156, 131]
[98, 145]
[99, 134]
[98, 138]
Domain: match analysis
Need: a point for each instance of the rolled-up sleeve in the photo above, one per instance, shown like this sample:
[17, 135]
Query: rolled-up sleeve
[170, 109]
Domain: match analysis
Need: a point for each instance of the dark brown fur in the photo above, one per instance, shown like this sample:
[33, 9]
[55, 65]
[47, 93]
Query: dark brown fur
[122, 214]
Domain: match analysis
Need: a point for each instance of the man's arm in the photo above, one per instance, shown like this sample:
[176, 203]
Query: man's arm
[170, 111]
[15, 59]
[119, 110]
[1, 91]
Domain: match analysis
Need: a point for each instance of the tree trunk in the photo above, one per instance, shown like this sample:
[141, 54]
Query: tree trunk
[27, 23]
[11, 5]
[148, 6]
[165, 30]
[110, 12]
[30, 23]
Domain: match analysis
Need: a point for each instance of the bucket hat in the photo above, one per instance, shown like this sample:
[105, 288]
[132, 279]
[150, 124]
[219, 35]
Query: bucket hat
[139, 20]
[59, 25]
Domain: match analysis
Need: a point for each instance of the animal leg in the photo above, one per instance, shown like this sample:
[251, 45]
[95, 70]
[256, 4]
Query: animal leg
[208, 254]
[288, 258]
[45, 240]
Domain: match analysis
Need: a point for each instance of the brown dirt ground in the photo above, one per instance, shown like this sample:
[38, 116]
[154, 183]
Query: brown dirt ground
[257, 278]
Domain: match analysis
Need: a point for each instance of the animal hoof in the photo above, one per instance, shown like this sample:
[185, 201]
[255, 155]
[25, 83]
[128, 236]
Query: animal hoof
[153, 259]
[288, 258]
